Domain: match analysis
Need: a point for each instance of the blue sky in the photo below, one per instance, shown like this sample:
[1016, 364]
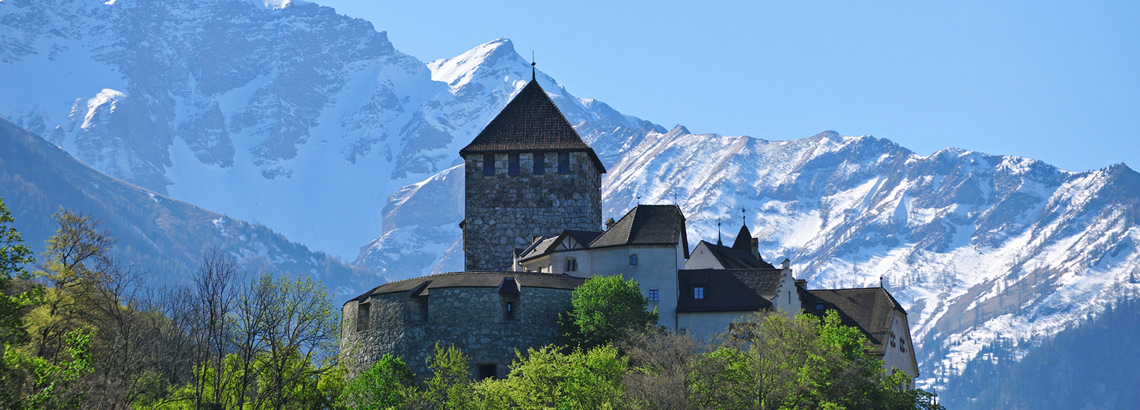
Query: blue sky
[1058, 82]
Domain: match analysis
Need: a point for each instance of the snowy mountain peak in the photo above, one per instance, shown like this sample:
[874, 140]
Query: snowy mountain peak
[677, 130]
[497, 55]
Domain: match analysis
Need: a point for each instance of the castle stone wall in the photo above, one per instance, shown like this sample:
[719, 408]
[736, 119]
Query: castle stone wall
[504, 212]
[471, 318]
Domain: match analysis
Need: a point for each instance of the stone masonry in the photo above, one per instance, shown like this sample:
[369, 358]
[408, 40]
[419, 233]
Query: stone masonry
[471, 316]
[504, 211]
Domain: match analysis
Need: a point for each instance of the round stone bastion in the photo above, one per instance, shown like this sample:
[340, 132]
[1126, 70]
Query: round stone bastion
[487, 314]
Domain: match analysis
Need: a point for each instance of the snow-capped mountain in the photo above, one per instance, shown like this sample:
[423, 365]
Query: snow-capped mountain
[315, 125]
[282, 113]
[979, 248]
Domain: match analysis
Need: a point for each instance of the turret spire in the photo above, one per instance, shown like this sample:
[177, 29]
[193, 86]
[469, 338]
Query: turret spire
[532, 76]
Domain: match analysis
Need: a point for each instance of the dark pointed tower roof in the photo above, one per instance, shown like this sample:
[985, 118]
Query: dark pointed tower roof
[529, 123]
[743, 239]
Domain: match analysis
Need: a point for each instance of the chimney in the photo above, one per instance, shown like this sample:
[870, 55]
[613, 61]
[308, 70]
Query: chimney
[787, 264]
[610, 223]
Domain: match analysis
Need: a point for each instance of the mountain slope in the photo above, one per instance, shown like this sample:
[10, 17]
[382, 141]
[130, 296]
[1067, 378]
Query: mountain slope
[161, 236]
[269, 111]
[977, 247]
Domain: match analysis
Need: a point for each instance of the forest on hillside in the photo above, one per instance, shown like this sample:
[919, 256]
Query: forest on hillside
[80, 330]
[1091, 366]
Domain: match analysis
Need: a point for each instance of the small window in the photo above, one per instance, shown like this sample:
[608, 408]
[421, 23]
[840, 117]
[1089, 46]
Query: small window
[539, 163]
[513, 164]
[487, 371]
[362, 316]
[571, 265]
[698, 292]
[819, 306]
[509, 311]
[488, 164]
[654, 295]
[563, 162]
[633, 259]
[422, 304]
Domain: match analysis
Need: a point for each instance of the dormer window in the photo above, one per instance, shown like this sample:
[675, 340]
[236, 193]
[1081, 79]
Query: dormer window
[488, 164]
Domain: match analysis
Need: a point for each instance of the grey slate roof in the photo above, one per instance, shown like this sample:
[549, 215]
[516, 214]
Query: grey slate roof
[869, 309]
[732, 258]
[582, 237]
[727, 290]
[424, 284]
[647, 225]
[743, 239]
[529, 123]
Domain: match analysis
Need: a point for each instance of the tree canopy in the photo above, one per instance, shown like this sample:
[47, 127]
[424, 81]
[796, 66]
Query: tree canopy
[603, 310]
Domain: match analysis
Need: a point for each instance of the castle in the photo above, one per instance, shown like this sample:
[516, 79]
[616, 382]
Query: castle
[533, 232]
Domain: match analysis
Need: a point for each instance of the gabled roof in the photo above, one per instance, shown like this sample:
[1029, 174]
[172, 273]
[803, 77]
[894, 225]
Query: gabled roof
[647, 225]
[582, 237]
[546, 246]
[731, 258]
[728, 290]
[743, 240]
[529, 123]
[869, 309]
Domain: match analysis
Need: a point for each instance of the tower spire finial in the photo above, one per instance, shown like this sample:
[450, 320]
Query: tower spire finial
[718, 242]
[532, 75]
[743, 216]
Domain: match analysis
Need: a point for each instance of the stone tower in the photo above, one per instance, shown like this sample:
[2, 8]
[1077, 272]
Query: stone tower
[528, 173]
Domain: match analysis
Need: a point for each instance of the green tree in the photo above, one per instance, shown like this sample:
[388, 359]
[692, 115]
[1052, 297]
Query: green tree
[603, 310]
[386, 384]
[449, 386]
[546, 378]
[14, 255]
[803, 362]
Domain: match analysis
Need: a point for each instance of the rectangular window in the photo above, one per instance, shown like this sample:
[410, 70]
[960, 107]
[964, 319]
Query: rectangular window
[698, 292]
[422, 306]
[488, 164]
[654, 295]
[513, 164]
[539, 163]
[509, 309]
[362, 316]
[487, 371]
[563, 162]
[633, 259]
[571, 265]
